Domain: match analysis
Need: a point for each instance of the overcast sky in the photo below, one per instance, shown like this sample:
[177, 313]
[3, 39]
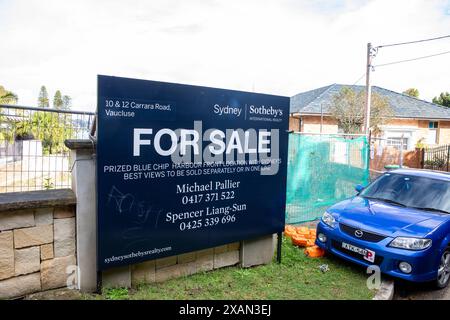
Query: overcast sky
[281, 47]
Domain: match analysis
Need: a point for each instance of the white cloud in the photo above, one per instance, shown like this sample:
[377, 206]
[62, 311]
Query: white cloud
[280, 47]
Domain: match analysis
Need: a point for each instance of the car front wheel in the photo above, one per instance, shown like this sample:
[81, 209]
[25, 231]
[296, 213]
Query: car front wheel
[444, 270]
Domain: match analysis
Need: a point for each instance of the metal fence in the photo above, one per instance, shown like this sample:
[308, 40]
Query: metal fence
[437, 158]
[32, 151]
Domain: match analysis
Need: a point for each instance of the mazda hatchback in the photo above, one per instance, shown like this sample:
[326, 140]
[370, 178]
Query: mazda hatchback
[400, 222]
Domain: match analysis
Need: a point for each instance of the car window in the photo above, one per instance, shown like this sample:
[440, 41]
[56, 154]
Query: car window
[411, 191]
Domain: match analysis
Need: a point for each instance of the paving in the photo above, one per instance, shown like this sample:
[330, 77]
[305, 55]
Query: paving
[57, 294]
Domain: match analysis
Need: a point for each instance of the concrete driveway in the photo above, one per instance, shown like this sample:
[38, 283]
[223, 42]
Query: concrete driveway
[408, 291]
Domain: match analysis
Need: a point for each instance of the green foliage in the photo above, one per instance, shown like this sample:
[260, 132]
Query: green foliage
[348, 110]
[421, 143]
[43, 101]
[7, 97]
[443, 99]
[48, 184]
[58, 102]
[67, 102]
[51, 129]
[116, 293]
[413, 92]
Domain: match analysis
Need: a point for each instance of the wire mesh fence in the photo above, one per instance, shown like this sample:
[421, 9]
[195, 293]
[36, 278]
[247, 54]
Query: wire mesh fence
[32, 151]
[323, 170]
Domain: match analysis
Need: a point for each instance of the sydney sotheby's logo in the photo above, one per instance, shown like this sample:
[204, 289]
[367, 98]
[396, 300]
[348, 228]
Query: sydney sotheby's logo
[251, 110]
[265, 111]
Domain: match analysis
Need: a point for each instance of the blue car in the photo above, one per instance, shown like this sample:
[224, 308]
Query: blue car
[400, 222]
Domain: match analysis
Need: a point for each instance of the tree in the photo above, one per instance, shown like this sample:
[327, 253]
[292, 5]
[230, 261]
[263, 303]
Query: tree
[348, 109]
[43, 101]
[6, 132]
[67, 102]
[7, 97]
[412, 92]
[443, 99]
[58, 102]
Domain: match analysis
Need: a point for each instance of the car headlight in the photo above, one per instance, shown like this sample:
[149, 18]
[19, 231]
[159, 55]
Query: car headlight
[329, 220]
[410, 243]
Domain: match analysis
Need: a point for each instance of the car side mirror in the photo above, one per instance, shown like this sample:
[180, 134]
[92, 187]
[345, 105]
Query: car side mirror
[359, 188]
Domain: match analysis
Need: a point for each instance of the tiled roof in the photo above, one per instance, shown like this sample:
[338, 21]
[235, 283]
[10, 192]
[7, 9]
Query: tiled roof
[403, 106]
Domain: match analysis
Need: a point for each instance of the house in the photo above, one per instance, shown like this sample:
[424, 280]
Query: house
[414, 119]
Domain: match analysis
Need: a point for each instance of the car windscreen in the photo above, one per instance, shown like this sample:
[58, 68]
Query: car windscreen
[411, 191]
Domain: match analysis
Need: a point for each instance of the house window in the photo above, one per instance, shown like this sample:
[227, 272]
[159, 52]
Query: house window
[432, 132]
[433, 125]
[397, 142]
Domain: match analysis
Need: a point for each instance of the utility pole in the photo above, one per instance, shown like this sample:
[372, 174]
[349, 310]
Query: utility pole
[368, 90]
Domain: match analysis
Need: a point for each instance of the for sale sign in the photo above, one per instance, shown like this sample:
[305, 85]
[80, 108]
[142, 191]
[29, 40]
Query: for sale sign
[182, 168]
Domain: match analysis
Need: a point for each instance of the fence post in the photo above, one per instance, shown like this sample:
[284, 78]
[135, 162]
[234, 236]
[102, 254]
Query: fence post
[422, 158]
[84, 185]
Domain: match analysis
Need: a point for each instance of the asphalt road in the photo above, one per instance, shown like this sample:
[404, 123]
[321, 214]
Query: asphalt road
[409, 291]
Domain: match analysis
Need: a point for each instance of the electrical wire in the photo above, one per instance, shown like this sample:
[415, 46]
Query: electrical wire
[413, 59]
[359, 79]
[411, 42]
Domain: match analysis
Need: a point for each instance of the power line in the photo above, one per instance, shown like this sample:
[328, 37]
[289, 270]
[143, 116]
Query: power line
[359, 79]
[413, 59]
[411, 42]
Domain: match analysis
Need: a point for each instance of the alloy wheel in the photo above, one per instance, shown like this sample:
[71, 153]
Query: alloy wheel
[444, 269]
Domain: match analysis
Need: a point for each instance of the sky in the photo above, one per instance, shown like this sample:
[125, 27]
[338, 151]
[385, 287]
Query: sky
[278, 47]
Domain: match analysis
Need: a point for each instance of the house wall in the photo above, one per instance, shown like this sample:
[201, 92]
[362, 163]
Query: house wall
[444, 132]
[419, 130]
[311, 124]
[415, 129]
[294, 124]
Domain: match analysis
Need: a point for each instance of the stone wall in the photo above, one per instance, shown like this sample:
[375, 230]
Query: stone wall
[37, 241]
[160, 270]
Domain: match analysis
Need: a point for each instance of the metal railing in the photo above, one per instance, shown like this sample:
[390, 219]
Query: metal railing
[437, 158]
[32, 151]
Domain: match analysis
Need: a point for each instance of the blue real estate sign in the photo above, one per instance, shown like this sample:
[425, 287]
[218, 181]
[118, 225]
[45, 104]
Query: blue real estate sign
[182, 168]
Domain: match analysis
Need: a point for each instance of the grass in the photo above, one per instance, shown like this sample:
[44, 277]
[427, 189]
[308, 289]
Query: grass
[297, 277]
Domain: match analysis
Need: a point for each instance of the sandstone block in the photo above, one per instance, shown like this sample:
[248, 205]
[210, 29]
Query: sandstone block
[20, 286]
[226, 259]
[16, 219]
[47, 251]
[143, 273]
[186, 257]
[64, 233]
[221, 249]
[117, 277]
[167, 273]
[6, 255]
[64, 212]
[234, 246]
[54, 272]
[27, 260]
[43, 216]
[166, 262]
[33, 236]
[205, 262]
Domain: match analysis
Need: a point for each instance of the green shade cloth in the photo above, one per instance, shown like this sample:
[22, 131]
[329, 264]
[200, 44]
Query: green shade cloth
[323, 170]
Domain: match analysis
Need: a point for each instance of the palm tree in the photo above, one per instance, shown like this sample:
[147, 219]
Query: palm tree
[6, 127]
[7, 97]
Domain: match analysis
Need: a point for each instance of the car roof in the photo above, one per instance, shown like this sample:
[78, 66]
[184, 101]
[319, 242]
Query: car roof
[440, 175]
